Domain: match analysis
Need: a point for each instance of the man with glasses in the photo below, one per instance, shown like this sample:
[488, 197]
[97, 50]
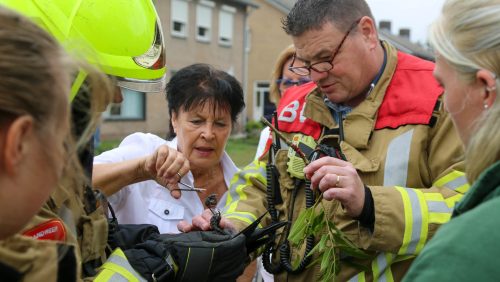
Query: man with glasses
[389, 168]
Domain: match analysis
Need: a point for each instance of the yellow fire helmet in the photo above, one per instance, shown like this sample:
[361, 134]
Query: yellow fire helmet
[124, 38]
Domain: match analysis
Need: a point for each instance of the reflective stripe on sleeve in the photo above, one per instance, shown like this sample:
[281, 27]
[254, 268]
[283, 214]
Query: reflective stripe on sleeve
[117, 269]
[360, 277]
[236, 193]
[381, 267]
[452, 201]
[416, 221]
[455, 180]
[440, 209]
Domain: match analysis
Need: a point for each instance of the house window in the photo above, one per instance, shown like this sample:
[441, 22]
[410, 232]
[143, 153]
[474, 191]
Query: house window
[179, 18]
[261, 94]
[226, 22]
[204, 20]
[131, 108]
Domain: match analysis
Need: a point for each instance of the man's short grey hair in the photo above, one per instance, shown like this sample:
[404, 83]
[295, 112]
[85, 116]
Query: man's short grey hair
[313, 14]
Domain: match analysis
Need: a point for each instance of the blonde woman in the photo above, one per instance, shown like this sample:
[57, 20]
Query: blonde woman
[36, 148]
[281, 79]
[467, 43]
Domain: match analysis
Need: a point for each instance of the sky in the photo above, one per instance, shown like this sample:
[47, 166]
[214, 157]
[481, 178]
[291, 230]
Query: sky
[414, 14]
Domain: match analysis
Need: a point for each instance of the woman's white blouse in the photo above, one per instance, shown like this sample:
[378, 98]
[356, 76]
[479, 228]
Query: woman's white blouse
[149, 202]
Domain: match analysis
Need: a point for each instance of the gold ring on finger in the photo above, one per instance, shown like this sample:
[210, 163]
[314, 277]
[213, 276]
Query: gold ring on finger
[337, 183]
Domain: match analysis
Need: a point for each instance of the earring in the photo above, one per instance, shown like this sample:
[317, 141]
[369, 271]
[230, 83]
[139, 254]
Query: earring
[485, 106]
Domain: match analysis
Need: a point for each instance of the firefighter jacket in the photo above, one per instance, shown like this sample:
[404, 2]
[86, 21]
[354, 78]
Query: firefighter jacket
[466, 248]
[406, 151]
[71, 217]
[26, 259]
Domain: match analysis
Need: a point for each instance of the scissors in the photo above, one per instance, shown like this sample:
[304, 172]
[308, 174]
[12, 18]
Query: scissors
[190, 188]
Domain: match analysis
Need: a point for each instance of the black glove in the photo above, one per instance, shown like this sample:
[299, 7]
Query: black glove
[207, 256]
[193, 256]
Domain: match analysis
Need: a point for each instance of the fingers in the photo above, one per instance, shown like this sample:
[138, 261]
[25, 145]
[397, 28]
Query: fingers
[176, 194]
[338, 180]
[184, 226]
[202, 222]
[168, 166]
[169, 162]
[331, 176]
[226, 224]
[325, 161]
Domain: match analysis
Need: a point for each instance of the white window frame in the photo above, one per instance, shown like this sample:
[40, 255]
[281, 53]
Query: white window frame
[259, 89]
[204, 20]
[179, 14]
[226, 25]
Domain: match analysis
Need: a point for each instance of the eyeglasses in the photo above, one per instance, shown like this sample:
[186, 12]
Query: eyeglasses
[290, 82]
[321, 66]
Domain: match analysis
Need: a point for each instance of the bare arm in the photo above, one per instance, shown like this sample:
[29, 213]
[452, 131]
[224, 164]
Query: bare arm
[165, 166]
[112, 177]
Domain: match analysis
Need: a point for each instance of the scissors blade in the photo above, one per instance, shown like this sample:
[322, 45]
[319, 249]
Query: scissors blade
[191, 188]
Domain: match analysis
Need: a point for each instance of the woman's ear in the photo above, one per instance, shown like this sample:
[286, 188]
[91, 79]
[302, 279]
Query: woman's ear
[487, 81]
[173, 118]
[18, 138]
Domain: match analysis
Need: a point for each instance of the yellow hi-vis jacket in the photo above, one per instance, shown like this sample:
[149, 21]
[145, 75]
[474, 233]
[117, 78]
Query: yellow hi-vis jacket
[414, 172]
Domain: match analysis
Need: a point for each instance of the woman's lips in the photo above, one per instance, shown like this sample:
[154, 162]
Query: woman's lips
[204, 151]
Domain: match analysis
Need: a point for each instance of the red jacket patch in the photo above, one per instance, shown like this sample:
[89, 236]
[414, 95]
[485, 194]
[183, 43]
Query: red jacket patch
[290, 111]
[50, 230]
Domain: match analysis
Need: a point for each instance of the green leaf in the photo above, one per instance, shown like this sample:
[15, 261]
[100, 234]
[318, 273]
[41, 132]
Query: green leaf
[315, 249]
[314, 221]
[318, 223]
[299, 228]
[325, 260]
[322, 242]
[315, 261]
[297, 235]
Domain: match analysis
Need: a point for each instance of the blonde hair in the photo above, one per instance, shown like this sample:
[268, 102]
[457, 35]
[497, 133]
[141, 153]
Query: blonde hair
[466, 36]
[284, 56]
[34, 70]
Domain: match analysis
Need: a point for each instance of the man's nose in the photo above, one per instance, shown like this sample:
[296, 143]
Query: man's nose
[317, 76]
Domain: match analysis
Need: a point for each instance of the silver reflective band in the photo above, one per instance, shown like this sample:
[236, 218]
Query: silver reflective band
[397, 159]
[438, 207]
[456, 183]
[153, 85]
[417, 220]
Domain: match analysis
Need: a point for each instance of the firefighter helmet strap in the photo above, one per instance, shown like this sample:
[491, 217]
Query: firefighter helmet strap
[77, 83]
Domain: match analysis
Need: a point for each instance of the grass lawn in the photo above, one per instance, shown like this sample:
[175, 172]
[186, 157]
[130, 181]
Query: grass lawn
[241, 150]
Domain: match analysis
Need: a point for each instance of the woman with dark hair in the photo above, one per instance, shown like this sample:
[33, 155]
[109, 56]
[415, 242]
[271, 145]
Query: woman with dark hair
[142, 176]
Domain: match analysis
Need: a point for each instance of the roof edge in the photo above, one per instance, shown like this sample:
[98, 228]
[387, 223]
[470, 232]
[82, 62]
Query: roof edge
[246, 3]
